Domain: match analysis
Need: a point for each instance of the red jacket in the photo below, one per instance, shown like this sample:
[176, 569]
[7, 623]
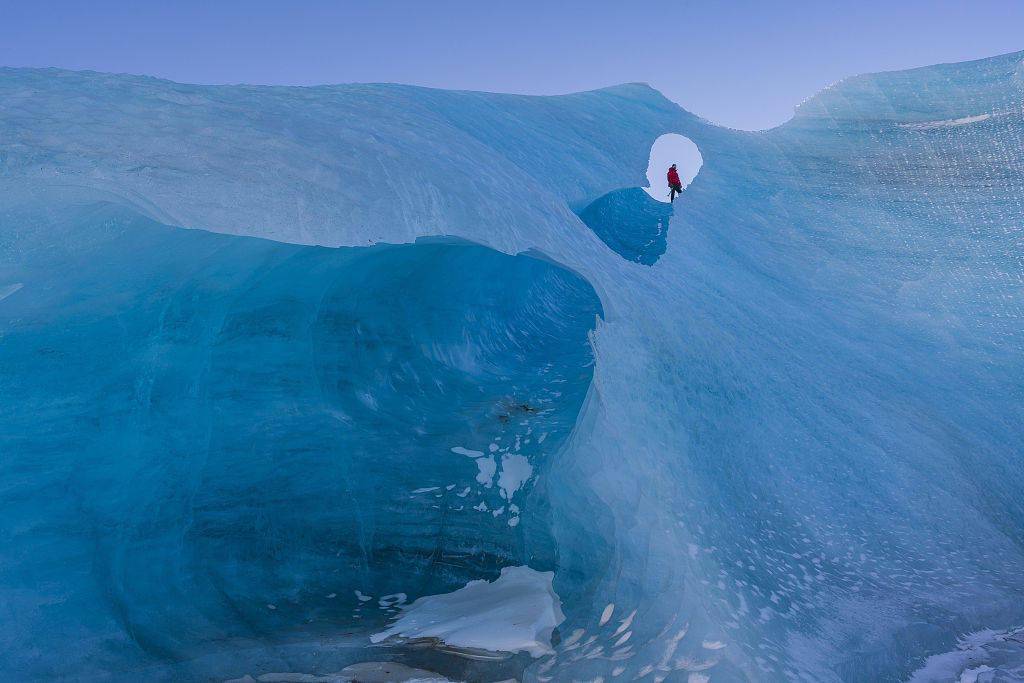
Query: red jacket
[673, 177]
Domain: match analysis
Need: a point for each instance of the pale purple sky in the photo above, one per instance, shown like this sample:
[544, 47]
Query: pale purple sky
[742, 64]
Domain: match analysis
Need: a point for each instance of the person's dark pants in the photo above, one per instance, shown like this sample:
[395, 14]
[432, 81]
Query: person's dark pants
[675, 189]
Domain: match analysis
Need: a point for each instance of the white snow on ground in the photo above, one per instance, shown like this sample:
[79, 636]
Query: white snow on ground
[515, 613]
[977, 654]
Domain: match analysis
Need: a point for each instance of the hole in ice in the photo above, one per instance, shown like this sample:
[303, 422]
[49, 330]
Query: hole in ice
[669, 149]
[633, 221]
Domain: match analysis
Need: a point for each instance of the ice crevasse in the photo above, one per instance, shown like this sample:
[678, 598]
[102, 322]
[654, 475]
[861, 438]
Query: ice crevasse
[285, 370]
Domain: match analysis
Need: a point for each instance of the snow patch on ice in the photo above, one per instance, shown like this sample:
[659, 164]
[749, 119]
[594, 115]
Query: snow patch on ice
[392, 600]
[976, 654]
[459, 450]
[626, 623]
[515, 613]
[487, 467]
[946, 123]
[515, 471]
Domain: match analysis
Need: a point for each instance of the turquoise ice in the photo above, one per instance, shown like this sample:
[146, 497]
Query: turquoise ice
[277, 362]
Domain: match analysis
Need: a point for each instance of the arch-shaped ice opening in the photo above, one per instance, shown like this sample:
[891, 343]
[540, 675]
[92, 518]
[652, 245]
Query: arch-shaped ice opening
[671, 148]
[433, 383]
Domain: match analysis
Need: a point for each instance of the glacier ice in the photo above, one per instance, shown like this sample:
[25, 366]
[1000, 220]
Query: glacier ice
[266, 354]
[631, 223]
[272, 423]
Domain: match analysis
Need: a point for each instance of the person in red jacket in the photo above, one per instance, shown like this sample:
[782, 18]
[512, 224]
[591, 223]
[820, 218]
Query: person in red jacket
[675, 186]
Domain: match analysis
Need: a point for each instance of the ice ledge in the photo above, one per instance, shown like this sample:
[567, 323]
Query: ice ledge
[515, 613]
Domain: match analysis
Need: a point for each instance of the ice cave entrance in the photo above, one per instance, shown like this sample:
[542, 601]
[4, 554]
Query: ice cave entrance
[669, 149]
[314, 435]
[634, 221]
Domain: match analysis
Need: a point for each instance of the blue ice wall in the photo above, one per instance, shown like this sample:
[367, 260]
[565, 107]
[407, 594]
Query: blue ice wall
[211, 437]
[798, 457]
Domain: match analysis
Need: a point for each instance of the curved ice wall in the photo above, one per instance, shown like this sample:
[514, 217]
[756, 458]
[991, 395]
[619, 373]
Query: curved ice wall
[799, 453]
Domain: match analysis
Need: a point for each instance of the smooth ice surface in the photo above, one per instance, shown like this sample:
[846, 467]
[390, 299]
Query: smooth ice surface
[516, 612]
[631, 223]
[789, 450]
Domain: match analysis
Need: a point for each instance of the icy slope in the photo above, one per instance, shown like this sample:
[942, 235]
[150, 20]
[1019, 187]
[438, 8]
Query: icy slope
[329, 165]
[798, 454]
